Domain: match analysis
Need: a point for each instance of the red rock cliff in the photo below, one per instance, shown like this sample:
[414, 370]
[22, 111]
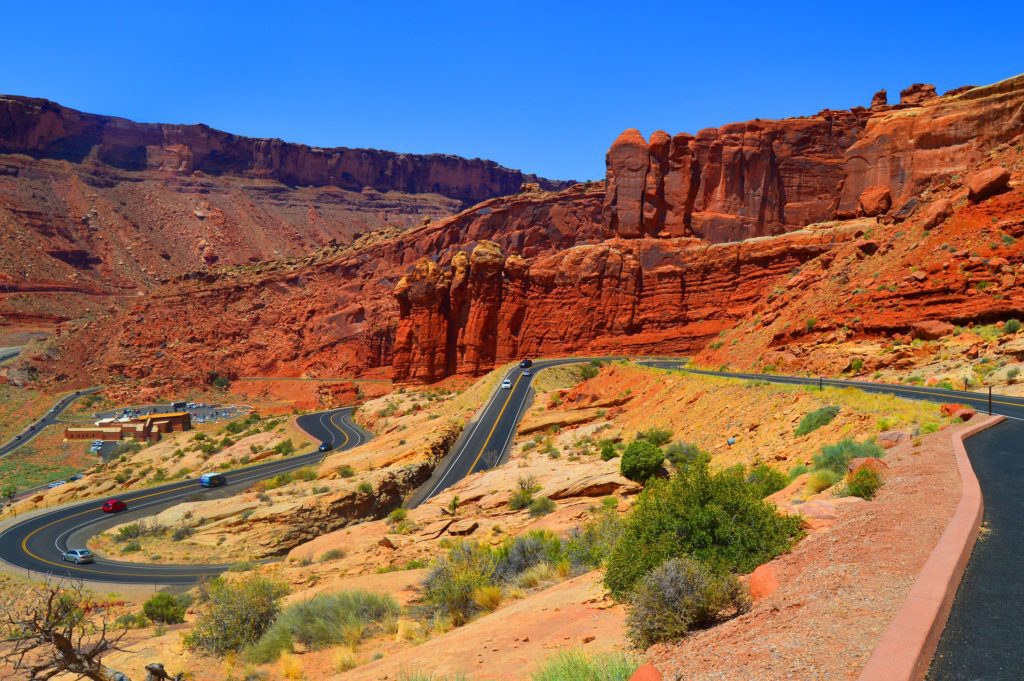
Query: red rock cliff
[41, 128]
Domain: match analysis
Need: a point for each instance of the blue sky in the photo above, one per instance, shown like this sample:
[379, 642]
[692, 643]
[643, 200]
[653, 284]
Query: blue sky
[541, 86]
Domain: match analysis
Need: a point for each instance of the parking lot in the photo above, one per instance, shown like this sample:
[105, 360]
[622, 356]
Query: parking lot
[201, 412]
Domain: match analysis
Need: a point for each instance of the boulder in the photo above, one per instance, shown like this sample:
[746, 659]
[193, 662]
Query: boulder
[931, 329]
[964, 414]
[763, 581]
[866, 246]
[875, 200]
[936, 213]
[871, 463]
[917, 94]
[461, 528]
[891, 438]
[986, 183]
[646, 672]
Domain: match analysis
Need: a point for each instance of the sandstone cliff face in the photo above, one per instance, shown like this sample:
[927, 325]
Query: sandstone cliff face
[910, 149]
[640, 296]
[730, 183]
[44, 129]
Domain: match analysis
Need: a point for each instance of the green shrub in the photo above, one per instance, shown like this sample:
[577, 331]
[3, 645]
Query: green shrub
[821, 479]
[796, 471]
[132, 547]
[1011, 326]
[865, 483]
[816, 419]
[678, 596]
[715, 517]
[135, 620]
[658, 437]
[448, 589]
[608, 450]
[541, 506]
[588, 372]
[836, 457]
[324, 620]
[332, 554]
[589, 545]
[164, 607]
[397, 515]
[286, 447]
[522, 497]
[766, 480]
[242, 566]
[856, 365]
[236, 614]
[683, 453]
[577, 665]
[346, 471]
[364, 488]
[129, 531]
[641, 460]
[517, 555]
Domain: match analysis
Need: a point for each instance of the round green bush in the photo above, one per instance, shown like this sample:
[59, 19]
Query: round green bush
[678, 596]
[715, 517]
[865, 483]
[164, 608]
[641, 461]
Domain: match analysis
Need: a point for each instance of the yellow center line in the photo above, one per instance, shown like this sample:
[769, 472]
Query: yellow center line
[497, 420]
[339, 427]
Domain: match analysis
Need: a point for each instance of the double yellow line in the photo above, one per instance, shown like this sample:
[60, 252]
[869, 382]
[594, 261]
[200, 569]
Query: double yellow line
[494, 427]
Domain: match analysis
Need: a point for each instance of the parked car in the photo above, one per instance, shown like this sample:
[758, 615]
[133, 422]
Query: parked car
[506, 384]
[325, 447]
[526, 364]
[57, 483]
[213, 479]
[77, 556]
[114, 506]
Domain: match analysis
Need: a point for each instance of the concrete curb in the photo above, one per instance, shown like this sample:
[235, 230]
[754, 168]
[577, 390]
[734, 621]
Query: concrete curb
[905, 650]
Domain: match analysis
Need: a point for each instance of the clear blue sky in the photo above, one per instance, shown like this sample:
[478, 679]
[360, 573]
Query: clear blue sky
[541, 86]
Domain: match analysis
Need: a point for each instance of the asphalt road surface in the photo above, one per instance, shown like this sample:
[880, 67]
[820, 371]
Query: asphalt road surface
[485, 441]
[36, 544]
[8, 353]
[51, 417]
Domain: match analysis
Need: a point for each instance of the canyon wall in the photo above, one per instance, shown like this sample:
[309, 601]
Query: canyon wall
[44, 129]
[95, 211]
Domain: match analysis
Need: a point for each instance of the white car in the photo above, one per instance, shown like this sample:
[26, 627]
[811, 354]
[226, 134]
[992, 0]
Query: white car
[506, 384]
[77, 556]
[57, 483]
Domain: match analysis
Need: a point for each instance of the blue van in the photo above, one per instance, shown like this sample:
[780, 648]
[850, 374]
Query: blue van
[213, 479]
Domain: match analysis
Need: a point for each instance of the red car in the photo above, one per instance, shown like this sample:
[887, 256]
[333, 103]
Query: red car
[114, 505]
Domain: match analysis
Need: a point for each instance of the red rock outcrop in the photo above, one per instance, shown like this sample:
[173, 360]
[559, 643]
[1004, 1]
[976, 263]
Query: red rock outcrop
[730, 183]
[988, 182]
[623, 296]
[911, 148]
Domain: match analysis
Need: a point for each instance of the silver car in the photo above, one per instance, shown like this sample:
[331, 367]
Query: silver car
[77, 556]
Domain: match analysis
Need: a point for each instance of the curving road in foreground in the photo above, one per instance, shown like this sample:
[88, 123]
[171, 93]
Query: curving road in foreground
[36, 544]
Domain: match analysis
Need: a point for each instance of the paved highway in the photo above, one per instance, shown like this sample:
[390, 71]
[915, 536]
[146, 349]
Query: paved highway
[51, 417]
[36, 544]
[485, 441]
[8, 353]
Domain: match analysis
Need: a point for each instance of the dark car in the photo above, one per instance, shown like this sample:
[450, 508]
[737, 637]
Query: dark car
[325, 447]
[526, 363]
[114, 506]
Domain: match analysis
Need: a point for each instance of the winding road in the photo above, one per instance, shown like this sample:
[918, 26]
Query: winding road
[36, 544]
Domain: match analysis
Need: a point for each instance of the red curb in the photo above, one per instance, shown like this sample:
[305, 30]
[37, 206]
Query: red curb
[905, 650]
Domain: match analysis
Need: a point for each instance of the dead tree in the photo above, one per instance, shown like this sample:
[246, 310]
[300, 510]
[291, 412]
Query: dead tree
[57, 629]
